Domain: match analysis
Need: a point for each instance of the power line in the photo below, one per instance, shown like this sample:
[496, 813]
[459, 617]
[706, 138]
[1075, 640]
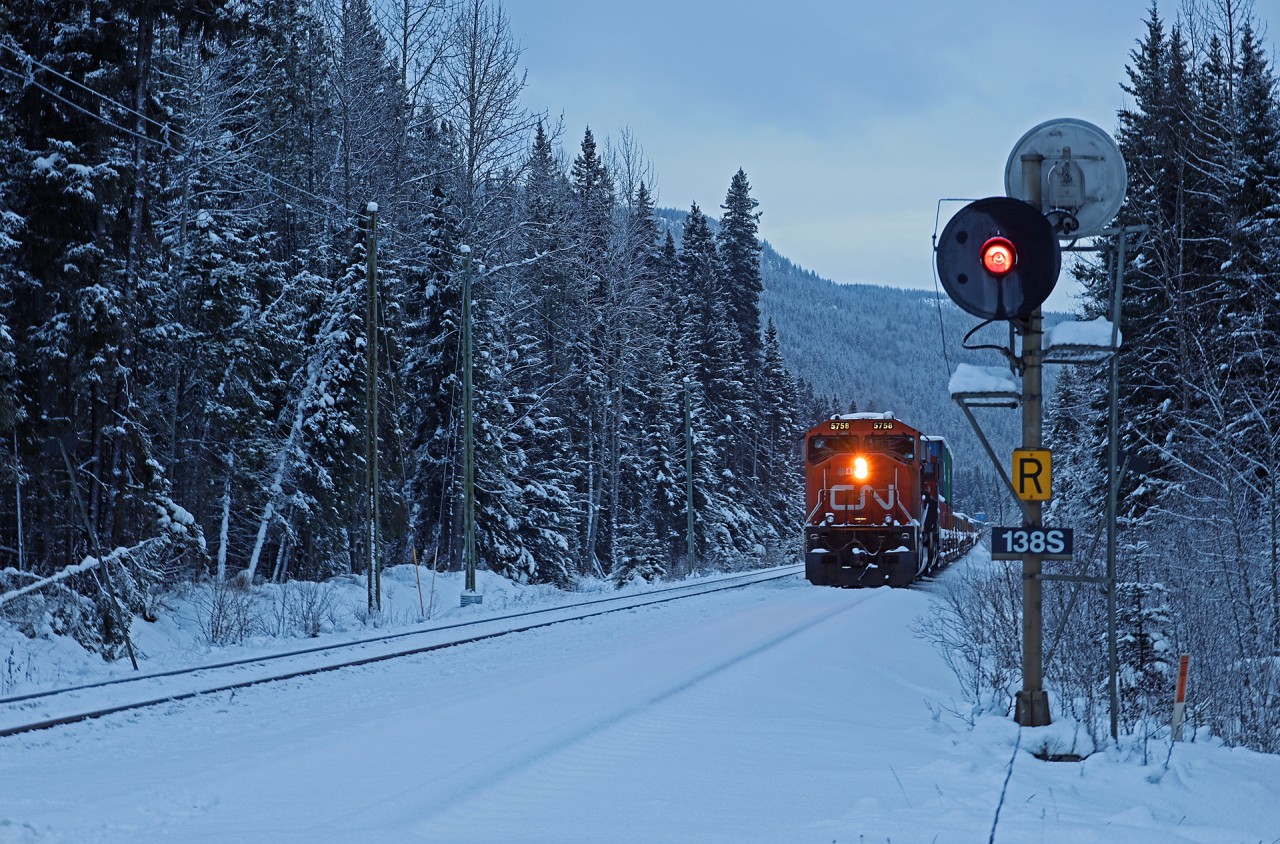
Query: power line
[937, 219]
[170, 132]
[28, 80]
[167, 129]
[106, 122]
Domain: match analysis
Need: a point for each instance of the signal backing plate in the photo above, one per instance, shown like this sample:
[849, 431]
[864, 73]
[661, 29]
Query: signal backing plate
[1068, 165]
[1011, 295]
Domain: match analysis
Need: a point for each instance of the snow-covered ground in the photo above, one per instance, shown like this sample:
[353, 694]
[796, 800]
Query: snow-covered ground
[277, 618]
[776, 713]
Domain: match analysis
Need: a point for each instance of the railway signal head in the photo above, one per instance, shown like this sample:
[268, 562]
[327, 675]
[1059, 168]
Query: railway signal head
[998, 258]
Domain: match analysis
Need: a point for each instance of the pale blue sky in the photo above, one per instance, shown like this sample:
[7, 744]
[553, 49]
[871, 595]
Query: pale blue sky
[851, 119]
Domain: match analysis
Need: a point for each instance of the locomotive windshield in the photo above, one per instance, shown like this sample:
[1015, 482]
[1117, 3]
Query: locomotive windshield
[898, 446]
[820, 448]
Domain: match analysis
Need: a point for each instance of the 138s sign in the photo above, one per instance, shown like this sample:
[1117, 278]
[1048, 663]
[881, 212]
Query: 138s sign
[1014, 543]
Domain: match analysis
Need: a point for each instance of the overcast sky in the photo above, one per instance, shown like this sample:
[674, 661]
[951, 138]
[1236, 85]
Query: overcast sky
[851, 118]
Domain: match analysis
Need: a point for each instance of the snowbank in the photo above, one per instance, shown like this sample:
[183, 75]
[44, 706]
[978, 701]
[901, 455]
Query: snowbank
[201, 623]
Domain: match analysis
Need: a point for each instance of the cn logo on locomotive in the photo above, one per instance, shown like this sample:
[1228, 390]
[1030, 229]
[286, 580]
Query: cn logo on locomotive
[862, 497]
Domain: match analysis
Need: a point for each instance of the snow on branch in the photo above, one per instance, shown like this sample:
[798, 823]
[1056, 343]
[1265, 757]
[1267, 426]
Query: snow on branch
[79, 568]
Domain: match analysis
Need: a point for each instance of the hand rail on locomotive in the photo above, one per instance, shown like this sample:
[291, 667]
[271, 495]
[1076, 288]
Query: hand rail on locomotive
[816, 507]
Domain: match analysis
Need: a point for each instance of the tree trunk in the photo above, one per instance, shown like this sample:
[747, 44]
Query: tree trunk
[226, 521]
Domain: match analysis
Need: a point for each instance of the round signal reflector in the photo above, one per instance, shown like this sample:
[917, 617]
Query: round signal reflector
[998, 256]
[860, 468]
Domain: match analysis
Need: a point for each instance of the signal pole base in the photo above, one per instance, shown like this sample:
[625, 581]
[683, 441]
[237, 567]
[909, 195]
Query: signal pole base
[1032, 709]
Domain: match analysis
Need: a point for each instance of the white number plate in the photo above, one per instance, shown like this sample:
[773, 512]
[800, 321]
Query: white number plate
[1014, 543]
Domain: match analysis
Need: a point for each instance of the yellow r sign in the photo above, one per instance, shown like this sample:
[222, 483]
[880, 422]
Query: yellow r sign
[1033, 474]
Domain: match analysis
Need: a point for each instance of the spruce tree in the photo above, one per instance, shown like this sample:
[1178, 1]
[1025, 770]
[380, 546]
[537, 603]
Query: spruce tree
[594, 194]
[780, 479]
[431, 373]
[739, 248]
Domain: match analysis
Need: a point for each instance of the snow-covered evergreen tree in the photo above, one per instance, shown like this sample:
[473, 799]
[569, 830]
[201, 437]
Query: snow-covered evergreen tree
[739, 248]
[431, 373]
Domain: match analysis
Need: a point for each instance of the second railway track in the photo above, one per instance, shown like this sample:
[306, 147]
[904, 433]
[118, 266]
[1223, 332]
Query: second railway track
[42, 710]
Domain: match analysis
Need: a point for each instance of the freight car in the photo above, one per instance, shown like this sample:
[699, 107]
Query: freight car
[878, 499]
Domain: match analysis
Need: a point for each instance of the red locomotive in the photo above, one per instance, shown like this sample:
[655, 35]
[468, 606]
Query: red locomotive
[878, 499]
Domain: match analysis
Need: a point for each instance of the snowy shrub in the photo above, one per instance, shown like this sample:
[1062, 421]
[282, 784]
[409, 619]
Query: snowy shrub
[371, 617]
[976, 627]
[305, 609]
[15, 670]
[227, 613]
[639, 556]
[57, 610]
[978, 630]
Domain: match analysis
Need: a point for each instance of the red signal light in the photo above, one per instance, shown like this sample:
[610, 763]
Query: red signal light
[998, 256]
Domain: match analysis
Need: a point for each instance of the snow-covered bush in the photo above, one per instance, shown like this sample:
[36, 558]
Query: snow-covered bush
[55, 611]
[304, 609]
[976, 627]
[228, 613]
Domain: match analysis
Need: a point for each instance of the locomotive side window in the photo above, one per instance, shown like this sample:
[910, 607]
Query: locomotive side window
[820, 448]
[898, 446]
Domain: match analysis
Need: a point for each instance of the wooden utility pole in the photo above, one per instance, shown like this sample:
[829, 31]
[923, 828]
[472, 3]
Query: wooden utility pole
[374, 578]
[1113, 485]
[17, 473]
[469, 594]
[688, 473]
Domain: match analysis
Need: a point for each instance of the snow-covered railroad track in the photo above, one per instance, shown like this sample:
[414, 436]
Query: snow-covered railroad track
[56, 707]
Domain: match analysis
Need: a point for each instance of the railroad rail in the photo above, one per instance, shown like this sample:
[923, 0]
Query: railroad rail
[43, 710]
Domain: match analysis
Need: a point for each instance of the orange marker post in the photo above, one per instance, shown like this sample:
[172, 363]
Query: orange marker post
[1180, 698]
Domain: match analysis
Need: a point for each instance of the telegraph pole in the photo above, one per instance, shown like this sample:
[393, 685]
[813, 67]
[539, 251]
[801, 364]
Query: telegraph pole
[1113, 488]
[17, 465]
[374, 577]
[688, 472]
[469, 595]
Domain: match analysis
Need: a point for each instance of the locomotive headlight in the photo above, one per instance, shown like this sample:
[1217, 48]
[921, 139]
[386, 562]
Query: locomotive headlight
[860, 468]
